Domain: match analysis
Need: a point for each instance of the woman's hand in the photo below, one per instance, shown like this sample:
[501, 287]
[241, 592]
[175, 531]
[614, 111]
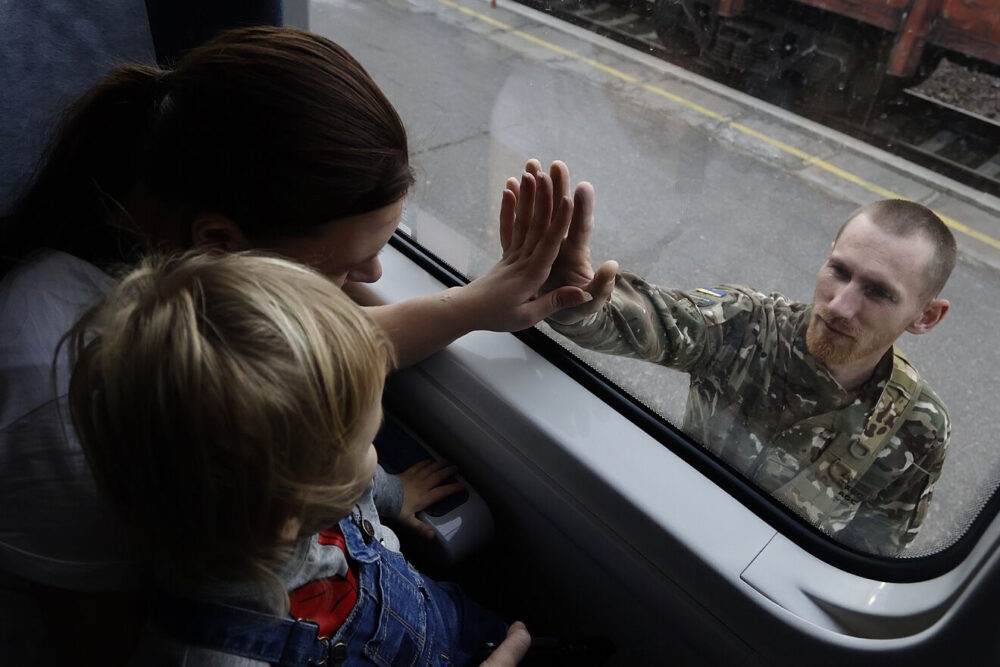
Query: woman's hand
[544, 272]
[533, 225]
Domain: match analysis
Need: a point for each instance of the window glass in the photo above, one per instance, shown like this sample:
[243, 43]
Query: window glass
[721, 198]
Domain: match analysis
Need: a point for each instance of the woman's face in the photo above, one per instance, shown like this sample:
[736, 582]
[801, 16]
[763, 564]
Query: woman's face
[346, 249]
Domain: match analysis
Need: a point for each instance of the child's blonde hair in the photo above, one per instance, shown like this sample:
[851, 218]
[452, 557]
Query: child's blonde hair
[215, 397]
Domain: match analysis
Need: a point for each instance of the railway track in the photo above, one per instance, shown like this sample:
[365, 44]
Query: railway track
[948, 140]
[951, 141]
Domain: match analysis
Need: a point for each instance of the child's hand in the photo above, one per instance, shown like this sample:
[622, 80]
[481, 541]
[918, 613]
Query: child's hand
[422, 488]
[512, 650]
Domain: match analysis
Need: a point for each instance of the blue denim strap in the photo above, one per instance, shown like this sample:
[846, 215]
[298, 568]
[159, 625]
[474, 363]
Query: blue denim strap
[239, 631]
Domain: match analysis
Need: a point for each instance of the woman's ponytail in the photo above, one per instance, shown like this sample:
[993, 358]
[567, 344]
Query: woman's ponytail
[277, 129]
[89, 171]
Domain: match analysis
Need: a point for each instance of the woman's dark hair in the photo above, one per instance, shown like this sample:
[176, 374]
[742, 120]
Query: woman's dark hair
[278, 129]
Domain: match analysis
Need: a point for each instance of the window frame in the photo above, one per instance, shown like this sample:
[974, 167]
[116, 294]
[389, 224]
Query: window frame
[902, 569]
[672, 561]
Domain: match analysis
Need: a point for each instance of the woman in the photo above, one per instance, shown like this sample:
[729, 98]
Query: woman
[268, 138]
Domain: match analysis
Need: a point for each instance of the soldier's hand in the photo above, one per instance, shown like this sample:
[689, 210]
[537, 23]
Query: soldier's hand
[572, 266]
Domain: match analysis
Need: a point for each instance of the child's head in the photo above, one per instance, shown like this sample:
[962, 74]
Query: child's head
[260, 137]
[220, 399]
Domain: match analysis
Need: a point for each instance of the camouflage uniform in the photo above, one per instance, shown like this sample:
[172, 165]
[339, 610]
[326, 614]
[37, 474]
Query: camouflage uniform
[761, 402]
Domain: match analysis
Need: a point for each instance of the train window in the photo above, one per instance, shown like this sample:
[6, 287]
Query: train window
[728, 141]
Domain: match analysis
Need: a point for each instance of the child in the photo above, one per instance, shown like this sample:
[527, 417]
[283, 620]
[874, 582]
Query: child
[227, 405]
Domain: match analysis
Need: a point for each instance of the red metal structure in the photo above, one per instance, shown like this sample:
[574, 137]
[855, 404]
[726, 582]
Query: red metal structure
[863, 47]
[967, 27]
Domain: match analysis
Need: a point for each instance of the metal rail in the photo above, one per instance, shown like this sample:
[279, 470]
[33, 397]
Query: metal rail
[951, 141]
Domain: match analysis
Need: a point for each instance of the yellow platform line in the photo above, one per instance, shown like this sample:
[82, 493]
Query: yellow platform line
[843, 174]
[683, 101]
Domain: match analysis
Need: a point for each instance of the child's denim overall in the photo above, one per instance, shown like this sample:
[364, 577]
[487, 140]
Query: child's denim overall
[400, 618]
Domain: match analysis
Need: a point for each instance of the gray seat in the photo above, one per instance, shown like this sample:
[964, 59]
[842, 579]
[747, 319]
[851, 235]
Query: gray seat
[50, 53]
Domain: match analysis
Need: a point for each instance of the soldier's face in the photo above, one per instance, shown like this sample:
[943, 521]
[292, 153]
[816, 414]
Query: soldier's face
[869, 290]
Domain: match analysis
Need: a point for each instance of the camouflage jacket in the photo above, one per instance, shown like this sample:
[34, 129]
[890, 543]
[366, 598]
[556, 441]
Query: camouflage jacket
[761, 402]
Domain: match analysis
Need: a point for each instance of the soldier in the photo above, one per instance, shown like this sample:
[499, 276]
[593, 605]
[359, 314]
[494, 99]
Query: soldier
[813, 403]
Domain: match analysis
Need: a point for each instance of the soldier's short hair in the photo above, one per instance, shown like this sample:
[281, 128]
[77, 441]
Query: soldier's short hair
[904, 219]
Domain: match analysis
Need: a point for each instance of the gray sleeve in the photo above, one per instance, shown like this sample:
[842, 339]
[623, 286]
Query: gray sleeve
[388, 493]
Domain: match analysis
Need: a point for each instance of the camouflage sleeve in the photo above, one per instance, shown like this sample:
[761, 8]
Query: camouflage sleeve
[910, 466]
[664, 326]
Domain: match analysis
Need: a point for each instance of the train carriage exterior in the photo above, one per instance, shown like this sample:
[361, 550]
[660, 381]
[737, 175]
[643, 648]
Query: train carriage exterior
[817, 39]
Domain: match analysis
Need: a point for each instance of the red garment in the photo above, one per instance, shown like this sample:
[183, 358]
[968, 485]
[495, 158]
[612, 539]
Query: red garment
[329, 601]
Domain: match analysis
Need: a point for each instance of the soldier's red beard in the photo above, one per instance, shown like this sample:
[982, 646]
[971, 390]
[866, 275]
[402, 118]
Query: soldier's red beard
[831, 348]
